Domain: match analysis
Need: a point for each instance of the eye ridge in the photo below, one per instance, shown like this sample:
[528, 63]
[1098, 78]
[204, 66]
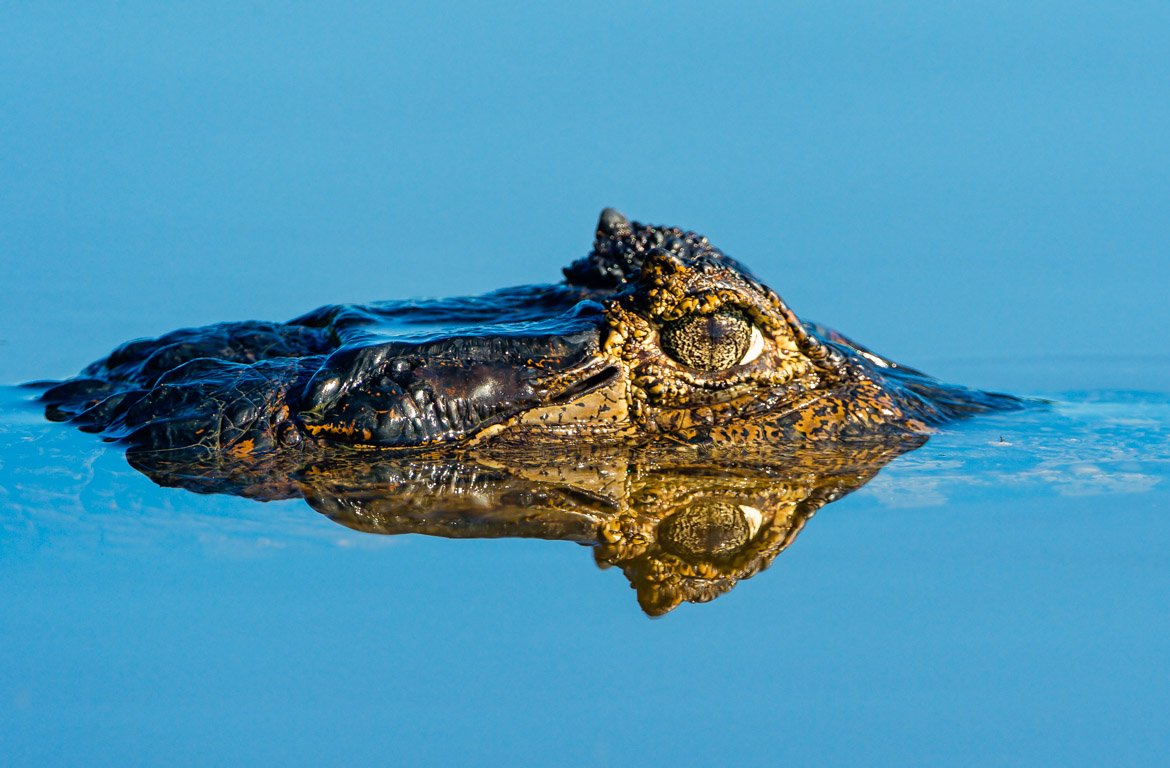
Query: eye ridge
[714, 341]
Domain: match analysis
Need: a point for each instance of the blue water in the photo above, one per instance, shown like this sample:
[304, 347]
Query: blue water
[980, 191]
[997, 596]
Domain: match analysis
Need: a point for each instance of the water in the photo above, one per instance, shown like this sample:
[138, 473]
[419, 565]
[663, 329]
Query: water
[980, 192]
[996, 594]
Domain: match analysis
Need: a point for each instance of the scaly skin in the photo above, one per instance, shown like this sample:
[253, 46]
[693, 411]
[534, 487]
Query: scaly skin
[660, 404]
[584, 361]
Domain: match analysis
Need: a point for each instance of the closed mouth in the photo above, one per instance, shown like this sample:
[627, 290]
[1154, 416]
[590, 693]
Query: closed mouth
[591, 383]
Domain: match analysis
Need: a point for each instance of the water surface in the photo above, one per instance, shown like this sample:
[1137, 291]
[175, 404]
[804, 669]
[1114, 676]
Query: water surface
[981, 192]
[995, 593]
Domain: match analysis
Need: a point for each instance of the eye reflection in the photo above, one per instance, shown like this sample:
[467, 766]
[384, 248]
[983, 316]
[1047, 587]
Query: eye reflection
[755, 346]
[680, 525]
[708, 530]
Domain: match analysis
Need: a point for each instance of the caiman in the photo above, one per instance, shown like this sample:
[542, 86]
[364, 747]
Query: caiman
[655, 335]
[660, 404]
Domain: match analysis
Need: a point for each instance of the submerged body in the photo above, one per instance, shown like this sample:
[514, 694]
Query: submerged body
[654, 335]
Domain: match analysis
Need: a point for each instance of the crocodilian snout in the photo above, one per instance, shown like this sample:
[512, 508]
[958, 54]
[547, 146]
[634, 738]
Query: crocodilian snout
[451, 388]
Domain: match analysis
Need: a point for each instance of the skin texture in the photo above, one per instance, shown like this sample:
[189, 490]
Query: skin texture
[654, 335]
[660, 404]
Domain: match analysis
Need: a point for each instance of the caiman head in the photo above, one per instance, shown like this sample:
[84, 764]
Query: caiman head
[655, 334]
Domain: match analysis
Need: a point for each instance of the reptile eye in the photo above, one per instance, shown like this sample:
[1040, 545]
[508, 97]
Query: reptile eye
[714, 342]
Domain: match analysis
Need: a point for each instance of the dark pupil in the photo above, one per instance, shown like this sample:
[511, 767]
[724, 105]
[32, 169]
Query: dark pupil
[709, 342]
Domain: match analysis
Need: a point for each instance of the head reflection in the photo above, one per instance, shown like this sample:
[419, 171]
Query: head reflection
[683, 524]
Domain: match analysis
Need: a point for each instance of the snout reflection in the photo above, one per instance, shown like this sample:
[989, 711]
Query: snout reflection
[683, 523]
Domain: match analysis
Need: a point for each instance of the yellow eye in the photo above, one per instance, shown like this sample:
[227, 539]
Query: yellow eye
[713, 342]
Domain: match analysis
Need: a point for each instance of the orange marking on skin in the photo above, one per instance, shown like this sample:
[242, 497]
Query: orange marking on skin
[243, 448]
[330, 429]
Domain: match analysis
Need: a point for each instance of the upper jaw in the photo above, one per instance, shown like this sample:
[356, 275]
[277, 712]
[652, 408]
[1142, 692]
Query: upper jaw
[446, 390]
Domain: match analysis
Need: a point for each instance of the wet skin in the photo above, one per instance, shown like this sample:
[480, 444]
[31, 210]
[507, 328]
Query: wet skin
[660, 404]
[654, 336]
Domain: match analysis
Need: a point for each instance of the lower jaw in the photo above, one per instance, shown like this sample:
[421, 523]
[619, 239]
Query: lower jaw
[531, 437]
